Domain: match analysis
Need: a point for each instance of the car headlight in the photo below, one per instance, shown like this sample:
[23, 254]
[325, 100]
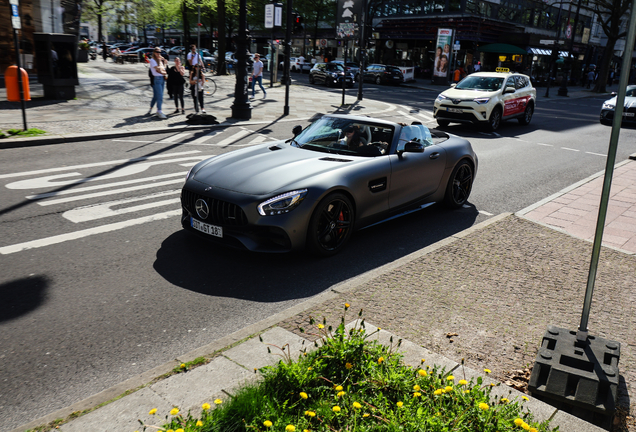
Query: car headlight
[608, 105]
[441, 97]
[283, 203]
[335, 75]
[481, 101]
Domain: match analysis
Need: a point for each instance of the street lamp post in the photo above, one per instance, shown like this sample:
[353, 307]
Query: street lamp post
[241, 109]
[563, 91]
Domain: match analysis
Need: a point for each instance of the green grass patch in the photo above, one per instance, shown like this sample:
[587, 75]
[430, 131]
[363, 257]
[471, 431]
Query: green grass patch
[22, 133]
[351, 383]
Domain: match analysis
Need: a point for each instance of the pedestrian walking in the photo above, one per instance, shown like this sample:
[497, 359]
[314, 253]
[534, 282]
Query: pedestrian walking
[257, 75]
[176, 81]
[192, 58]
[590, 78]
[197, 86]
[104, 51]
[158, 68]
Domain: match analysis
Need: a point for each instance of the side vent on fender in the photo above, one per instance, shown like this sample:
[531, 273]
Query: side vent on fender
[275, 147]
[377, 185]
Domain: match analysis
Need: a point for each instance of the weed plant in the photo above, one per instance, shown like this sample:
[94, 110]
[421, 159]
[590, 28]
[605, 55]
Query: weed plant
[351, 383]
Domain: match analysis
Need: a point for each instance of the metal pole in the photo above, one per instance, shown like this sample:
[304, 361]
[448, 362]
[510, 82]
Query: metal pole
[554, 52]
[344, 77]
[17, 56]
[241, 108]
[199, 29]
[581, 334]
[272, 60]
[288, 35]
[362, 46]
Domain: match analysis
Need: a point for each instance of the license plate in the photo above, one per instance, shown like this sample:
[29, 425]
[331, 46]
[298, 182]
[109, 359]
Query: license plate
[626, 114]
[454, 110]
[212, 230]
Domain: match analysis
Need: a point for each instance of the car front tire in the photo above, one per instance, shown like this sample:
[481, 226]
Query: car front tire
[331, 225]
[443, 123]
[459, 185]
[527, 115]
[495, 119]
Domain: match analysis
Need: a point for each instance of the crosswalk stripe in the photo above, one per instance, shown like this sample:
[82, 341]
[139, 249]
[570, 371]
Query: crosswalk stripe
[175, 138]
[237, 136]
[206, 137]
[259, 139]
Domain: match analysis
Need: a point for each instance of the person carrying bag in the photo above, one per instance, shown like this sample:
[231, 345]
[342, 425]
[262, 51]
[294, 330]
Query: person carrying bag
[175, 84]
[197, 85]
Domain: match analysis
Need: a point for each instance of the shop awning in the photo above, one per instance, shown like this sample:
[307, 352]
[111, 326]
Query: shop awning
[542, 51]
[501, 48]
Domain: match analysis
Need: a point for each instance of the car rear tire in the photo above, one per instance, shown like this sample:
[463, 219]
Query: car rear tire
[459, 185]
[331, 225]
[495, 119]
[443, 123]
[527, 115]
[378, 80]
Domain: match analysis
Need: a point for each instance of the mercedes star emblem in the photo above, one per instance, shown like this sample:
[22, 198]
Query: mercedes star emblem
[202, 209]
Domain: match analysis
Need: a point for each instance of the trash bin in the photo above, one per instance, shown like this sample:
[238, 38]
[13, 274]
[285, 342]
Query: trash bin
[55, 57]
[13, 86]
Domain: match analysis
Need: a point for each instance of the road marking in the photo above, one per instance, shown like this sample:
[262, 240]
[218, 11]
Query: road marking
[237, 136]
[546, 145]
[50, 181]
[131, 141]
[485, 213]
[259, 139]
[96, 164]
[408, 116]
[104, 186]
[596, 154]
[206, 137]
[175, 138]
[104, 210]
[109, 192]
[61, 238]
[571, 149]
[428, 117]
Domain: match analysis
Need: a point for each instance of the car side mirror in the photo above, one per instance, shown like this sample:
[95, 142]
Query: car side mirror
[411, 147]
[297, 130]
[453, 85]
[509, 89]
[614, 94]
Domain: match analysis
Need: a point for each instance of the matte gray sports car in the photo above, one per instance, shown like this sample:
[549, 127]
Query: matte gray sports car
[339, 174]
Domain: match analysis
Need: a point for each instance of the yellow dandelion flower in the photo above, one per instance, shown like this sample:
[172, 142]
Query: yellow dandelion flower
[492, 384]
[504, 400]
[218, 401]
[525, 426]
[310, 414]
[518, 421]
[437, 392]
[487, 371]
[450, 378]
[152, 411]
[336, 409]
[365, 415]
[357, 405]
[466, 391]
[422, 372]
[174, 411]
[170, 430]
[290, 428]
[533, 430]
[448, 388]
[199, 423]
[423, 360]
[310, 368]
[347, 305]
[182, 366]
[205, 406]
[399, 404]
[339, 388]
[267, 423]
[306, 430]
[348, 365]
[179, 430]
[320, 326]
[380, 360]
[462, 382]
[340, 394]
[416, 387]
[417, 394]
[483, 406]
[303, 395]
[525, 398]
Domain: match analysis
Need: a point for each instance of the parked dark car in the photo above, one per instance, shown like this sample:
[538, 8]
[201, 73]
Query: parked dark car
[330, 74]
[352, 67]
[314, 190]
[383, 74]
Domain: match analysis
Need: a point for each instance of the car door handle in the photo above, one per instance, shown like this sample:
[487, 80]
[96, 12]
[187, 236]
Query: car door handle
[434, 155]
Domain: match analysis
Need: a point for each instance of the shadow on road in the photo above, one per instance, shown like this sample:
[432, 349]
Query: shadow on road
[22, 296]
[190, 262]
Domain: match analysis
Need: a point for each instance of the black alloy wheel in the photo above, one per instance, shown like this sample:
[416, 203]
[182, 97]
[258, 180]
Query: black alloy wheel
[331, 225]
[459, 185]
[495, 119]
[527, 114]
[443, 123]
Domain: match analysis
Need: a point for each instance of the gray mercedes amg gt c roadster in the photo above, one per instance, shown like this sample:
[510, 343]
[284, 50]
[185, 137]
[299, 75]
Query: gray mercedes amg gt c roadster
[339, 174]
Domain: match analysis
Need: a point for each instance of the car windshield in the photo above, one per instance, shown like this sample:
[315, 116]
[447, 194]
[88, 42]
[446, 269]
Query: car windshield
[392, 69]
[335, 67]
[480, 83]
[345, 136]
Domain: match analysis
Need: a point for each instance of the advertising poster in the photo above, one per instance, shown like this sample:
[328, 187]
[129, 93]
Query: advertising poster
[443, 53]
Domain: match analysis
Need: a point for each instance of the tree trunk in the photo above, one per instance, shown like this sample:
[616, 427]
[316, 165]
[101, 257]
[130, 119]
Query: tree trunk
[603, 73]
[220, 55]
[186, 26]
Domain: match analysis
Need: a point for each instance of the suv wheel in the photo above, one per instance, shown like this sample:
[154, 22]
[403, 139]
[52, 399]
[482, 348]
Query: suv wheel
[527, 115]
[495, 119]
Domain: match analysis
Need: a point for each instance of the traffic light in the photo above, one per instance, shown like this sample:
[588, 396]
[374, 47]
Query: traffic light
[297, 23]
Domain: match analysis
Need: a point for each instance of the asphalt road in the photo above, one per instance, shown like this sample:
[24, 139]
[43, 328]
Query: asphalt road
[100, 283]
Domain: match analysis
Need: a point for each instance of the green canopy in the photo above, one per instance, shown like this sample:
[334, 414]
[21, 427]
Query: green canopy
[501, 48]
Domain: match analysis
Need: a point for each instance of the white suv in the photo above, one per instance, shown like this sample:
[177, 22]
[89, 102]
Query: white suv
[487, 98]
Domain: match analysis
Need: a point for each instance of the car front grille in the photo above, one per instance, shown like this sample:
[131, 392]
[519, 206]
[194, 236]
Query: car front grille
[221, 212]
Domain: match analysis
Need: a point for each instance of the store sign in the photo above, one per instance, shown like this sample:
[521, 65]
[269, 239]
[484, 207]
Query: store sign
[349, 11]
[443, 55]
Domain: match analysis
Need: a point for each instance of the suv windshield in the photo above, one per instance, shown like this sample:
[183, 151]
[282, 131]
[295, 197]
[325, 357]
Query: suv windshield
[345, 137]
[480, 83]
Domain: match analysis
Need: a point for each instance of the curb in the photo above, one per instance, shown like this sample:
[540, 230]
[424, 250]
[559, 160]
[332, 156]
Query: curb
[135, 383]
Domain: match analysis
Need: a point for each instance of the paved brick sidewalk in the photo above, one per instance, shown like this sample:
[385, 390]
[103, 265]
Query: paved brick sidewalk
[498, 289]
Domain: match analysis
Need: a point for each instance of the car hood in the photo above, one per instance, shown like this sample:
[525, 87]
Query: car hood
[268, 169]
[454, 93]
[630, 101]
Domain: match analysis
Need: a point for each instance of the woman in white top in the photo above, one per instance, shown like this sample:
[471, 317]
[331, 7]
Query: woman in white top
[158, 68]
[197, 85]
